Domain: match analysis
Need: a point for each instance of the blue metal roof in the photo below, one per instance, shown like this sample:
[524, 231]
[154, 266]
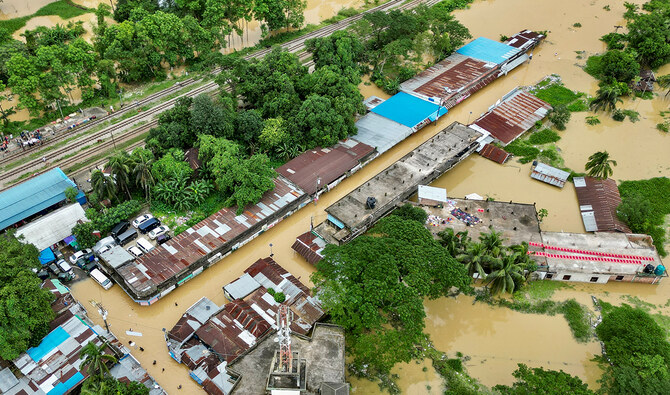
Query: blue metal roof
[62, 388]
[408, 110]
[488, 50]
[50, 341]
[33, 196]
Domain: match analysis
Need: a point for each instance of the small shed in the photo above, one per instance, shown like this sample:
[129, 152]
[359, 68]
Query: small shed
[116, 257]
[241, 288]
[309, 245]
[646, 81]
[550, 175]
[432, 196]
[491, 152]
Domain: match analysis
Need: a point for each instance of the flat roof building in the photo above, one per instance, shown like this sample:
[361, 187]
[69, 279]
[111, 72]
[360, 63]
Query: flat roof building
[319, 168]
[33, 196]
[598, 201]
[362, 207]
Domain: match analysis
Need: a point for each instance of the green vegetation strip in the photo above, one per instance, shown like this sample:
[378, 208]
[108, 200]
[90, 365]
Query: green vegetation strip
[65, 9]
[644, 206]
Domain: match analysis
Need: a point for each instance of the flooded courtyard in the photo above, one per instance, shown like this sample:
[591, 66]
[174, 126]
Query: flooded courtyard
[495, 339]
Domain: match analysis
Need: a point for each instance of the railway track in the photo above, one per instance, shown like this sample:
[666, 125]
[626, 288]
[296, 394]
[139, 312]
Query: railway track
[292, 46]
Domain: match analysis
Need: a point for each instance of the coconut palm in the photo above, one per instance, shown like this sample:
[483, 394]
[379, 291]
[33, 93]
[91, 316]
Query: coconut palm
[455, 243]
[506, 274]
[606, 98]
[492, 242]
[96, 359]
[142, 172]
[600, 165]
[474, 258]
[664, 82]
[120, 165]
[520, 252]
[103, 186]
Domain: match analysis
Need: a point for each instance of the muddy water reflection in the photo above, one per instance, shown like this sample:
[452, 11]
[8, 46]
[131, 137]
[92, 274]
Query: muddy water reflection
[416, 377]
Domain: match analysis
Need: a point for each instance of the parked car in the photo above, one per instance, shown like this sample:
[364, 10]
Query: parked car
[144, 245]
[141, 219]
[101, 279]
[134, 251]
[53, 268]
[149, 225]
[64, 266]
[158, 231]
[106, 248]
[79, 255]
[163, 238]
[43, 274]
[119, 229]
[58, 254]
[126, 237]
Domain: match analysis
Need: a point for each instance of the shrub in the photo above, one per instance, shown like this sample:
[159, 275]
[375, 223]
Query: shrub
[614, 40]
[455, 364]
[577, 318]
[544, 136]
[559, 116]
[279, 297]
[632, 115]
[408, 211]
[663, 127]
[577, 24]
[592, 120]
[594, 66]
[556, 95]
[71, 194]
[618, 115]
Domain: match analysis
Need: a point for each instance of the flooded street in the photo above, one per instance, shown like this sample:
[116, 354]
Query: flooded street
[495, 339]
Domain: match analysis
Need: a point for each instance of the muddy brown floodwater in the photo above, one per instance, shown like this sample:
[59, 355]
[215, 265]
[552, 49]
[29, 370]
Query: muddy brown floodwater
[495, 339]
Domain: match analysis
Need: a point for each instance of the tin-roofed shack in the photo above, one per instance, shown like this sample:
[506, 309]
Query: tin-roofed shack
[550, 175]
[321, 168]
[601, 257]
[470, 68]
[160, 271]
[511, 117]
[310, 245]
[598, 201]
[208, 346]
[364, 206]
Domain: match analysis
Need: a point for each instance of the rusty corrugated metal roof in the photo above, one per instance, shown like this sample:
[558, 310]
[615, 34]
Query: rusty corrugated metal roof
[326, 164]
[490, 151]
[601, 197]
[516, 113]
[309, 246]
[525, 39]
[213, 233]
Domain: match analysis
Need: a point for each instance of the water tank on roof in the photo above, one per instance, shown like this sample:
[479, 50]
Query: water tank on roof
[649, 269]
[371, 203]
[660, 270]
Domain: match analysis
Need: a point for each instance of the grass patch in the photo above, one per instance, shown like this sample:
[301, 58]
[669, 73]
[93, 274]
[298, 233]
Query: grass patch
[523, 149]
[577, 317]
[544, 136]
[639, 303]
[556, 95]
[578, 106]
[664, 322]
[538, 290]
[63, 8]
[654, 192]
[594, 66]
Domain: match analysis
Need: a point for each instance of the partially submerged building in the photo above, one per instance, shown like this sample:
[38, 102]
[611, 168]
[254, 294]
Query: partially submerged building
[55, 365]
[37, 196]
[600, 258]
[310, 246]
[496, 154]
[550, 175]
[322, 169]
[52, 228]
[510, 117]
[392, 120]
[363, 207]
[598, 202]
[470, 68]
[186, 255]
[208, 338]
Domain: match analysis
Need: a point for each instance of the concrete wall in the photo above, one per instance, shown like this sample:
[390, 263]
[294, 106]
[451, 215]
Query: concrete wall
[601, 278]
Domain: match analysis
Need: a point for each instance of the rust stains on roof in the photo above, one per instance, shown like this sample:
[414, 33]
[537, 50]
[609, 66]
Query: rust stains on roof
[514, 115]
[601, 197]
[309, 245]
[318, 167]
[525, 39]
[490, 151]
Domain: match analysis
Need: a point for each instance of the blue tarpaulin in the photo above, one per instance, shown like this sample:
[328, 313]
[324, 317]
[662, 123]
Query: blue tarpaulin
[47, 256]
[61, 388]
[488, 50]
[50, 341]
[408, 110]
[81, 198]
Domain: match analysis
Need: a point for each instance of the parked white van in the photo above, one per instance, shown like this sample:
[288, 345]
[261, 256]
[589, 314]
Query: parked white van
[144, 245]
[101, 279]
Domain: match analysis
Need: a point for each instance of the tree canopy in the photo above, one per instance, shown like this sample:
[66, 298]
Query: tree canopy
[541, 381]
[25, 308]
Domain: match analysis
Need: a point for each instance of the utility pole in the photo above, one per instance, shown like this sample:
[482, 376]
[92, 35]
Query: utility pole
[103, 312]
[59, 109]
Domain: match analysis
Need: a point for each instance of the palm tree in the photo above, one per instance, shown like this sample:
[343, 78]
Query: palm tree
[143, 176]
[506, 275]
[606, 98]
[95, 359]
[520, 253]
[103, 186]
[475, 258]
[199, 190]
[492, 242]
[120, 165]
[664, 82]
[600, 165]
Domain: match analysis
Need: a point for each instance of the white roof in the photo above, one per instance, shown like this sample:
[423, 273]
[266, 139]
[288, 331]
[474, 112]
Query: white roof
[242, 287]
[116, 257]
[53, 227]
[473, 196]
[432, 193]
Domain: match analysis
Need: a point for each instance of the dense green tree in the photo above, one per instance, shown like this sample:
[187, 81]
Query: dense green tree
[111, 386]
[25, 308]
[559, 116]
[540, 381]
[123, 8]
[171, 166]
[475, 259]
[318, 123]
[279, 14]
[636, 212]
[243, 180]
[448, 33]
[273, 135]
[409, 211]
[619, 66]
[211, 118]
[249, 124]
[342, 49]
[648, 36]
[600, 165]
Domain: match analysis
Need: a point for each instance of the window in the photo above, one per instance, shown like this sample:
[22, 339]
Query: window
[619, 278]
[566, 277]
[594, 279]
[549, 276]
